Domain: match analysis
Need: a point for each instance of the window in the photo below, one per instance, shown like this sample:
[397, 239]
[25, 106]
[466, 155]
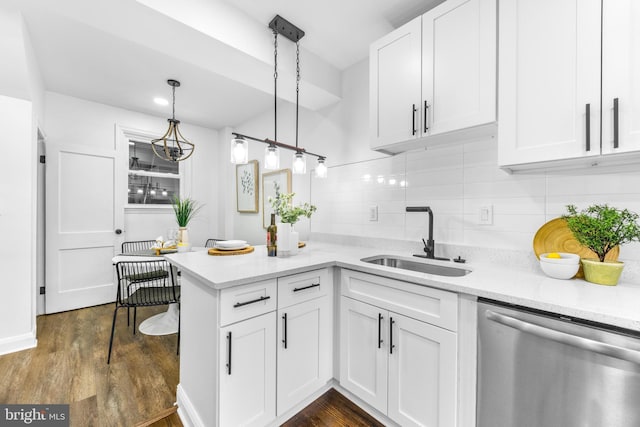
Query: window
[152, 180]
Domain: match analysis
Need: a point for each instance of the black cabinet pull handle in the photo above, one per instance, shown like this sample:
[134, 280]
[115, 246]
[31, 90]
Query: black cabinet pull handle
[284, 341]
[240, 304]
[413, 119]
[391, 345]
[426, 108]
[229, 354]
[379, 330]
[315, 285]
[588, 126]
[615, 123]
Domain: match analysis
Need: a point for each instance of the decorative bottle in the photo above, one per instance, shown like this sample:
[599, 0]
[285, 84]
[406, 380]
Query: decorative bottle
[272, 233]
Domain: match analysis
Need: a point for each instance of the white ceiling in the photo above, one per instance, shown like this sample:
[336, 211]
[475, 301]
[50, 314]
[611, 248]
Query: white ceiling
[121, 53]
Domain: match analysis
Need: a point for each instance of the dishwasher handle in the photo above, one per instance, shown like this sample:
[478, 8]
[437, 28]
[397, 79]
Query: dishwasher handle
[565, 338]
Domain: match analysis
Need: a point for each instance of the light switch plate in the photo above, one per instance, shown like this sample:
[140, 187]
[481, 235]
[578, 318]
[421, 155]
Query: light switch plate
[485, 215]
[373, 213]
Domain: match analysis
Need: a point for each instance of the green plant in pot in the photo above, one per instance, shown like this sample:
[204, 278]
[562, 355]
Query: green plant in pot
[289, 214]
[282, 205]
[185, 209]
[601, 228]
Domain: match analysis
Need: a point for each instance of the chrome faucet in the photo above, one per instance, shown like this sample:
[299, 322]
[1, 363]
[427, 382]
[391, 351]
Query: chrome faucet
[430, 244]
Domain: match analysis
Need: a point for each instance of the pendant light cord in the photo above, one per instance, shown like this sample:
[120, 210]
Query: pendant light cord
[173, 107]
[275, 85]
[297, 85]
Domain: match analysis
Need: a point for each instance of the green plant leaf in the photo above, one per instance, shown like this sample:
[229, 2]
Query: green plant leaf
[185, 209]
[282, 205]
[602, 228]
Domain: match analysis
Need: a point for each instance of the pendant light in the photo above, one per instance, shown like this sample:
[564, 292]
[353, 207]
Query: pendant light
[172, 146]
[321, 168]
[239, 143]
[271, 151]
[239, 151]
[299, 166]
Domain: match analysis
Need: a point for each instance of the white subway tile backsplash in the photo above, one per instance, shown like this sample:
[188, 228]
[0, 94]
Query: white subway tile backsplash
[455, 181]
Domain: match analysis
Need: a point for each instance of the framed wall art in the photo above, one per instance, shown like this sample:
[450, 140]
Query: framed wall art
[247, 187]
[279, 180]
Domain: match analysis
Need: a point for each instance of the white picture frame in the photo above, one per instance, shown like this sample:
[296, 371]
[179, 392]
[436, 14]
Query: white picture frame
[247, 191]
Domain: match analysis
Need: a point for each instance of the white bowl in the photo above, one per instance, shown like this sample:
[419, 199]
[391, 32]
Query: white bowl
[565, 258]
[559, 270]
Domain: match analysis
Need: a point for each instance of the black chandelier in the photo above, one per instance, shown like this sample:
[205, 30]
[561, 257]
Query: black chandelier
[239, 144]
[172, 146]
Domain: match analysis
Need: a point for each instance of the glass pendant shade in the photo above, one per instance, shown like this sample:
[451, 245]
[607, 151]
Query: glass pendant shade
[271, 157]
[239, 151]
[321, 169]
[299, 163]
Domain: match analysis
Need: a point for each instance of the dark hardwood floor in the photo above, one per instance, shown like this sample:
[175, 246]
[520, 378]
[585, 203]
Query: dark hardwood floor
[332, 409]
[138, 388]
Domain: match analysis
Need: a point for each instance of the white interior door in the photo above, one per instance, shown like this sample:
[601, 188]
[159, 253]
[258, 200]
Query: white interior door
[84, 210]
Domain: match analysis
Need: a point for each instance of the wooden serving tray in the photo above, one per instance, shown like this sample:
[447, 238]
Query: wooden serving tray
[555, 236]
[167, 250]
[218, 252]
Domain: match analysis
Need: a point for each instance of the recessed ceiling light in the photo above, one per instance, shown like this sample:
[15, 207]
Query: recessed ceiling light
[160, 101]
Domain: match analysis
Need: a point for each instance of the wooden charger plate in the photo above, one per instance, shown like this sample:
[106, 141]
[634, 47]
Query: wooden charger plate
[218, 252]
[555, 236]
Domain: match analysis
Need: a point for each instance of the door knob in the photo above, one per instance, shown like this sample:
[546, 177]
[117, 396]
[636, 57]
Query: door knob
[118, 231]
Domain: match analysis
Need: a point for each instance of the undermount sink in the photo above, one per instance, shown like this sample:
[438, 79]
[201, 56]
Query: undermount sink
[422, 267]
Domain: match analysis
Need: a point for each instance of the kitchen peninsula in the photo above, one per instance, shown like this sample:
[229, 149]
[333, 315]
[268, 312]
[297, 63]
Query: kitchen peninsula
[243, 317]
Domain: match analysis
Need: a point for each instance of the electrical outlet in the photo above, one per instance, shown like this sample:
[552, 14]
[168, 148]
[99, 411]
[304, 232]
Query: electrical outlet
[373, 213]
[486, 215]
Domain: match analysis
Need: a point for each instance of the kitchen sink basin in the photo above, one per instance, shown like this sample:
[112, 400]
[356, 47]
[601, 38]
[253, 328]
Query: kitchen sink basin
[422, 267]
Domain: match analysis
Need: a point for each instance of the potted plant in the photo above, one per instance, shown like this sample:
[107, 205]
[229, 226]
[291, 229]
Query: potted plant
[185, 209]
[601, 228]
[289, 214]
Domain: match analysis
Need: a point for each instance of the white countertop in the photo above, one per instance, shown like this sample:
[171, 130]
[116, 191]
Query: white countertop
[614, 305]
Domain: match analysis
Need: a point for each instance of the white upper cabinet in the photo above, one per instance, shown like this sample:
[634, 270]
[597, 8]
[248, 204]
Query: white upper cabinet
[550, 105]
[395, 84]
[549, 90]
[458, 66]
[434, 76]
[620, 76]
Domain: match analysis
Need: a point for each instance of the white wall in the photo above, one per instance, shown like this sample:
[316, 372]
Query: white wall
[339, 132]
[21, 108]
[455, 181]
[77, 121]
[17, 305]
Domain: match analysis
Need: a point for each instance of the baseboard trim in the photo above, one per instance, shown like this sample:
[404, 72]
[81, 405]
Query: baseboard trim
[187, 413]
[18, 343]
[157, 417]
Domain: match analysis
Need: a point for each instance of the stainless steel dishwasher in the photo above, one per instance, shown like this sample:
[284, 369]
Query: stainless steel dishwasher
[537, 369]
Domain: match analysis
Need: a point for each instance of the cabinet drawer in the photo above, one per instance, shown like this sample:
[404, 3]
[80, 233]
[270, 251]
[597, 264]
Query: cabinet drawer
[303, 287]
[242, 302]
[430, 305]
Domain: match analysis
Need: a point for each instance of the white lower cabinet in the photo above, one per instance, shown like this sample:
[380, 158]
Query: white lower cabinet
[403, 367]
[304, 350]
[363, 357]
[274, 348]
[248, 372]
[422, 374]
